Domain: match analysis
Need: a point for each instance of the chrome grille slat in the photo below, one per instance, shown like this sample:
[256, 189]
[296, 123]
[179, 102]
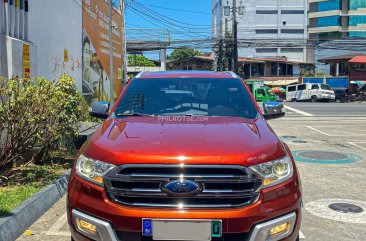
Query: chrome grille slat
[223, 186]
[167, 178]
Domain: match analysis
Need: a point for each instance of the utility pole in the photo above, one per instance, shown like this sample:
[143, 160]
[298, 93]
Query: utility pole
[227, 47]
[124, 45]
[234, 65]
[220, 61]
[111, 68]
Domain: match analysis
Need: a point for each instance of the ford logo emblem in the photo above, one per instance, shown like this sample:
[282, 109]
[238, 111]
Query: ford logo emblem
[181, 187]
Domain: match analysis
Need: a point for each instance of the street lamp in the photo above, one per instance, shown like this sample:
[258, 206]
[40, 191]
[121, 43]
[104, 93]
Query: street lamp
[241, 8]
[227, 9]
[240, 11]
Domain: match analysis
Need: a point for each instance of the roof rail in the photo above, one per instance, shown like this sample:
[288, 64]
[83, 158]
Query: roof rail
[139, 75]
[232, 74]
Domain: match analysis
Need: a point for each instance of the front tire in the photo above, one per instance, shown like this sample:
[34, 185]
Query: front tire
[314, 99]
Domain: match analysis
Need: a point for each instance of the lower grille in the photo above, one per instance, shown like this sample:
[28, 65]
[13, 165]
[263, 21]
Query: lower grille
[221, 186]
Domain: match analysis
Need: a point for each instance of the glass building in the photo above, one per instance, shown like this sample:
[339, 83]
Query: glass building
[334, 19]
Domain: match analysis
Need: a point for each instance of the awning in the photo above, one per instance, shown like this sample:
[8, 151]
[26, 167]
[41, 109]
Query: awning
[281, 82]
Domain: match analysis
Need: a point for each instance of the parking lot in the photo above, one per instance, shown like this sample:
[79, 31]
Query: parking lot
[330, 148]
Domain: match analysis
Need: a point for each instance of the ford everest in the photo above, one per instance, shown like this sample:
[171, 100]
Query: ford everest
[184, 156]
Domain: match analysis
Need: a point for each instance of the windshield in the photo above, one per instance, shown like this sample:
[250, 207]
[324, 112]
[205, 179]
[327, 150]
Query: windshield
[325, 87]
[183, 96]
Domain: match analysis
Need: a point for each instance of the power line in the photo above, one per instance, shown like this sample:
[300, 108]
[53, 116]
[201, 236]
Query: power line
[179, 10]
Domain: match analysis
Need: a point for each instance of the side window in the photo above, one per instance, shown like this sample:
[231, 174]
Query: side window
[291, 88]
[315, 87]
[301, 87]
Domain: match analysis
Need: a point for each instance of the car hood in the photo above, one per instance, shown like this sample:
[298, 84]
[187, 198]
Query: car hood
[160, 140]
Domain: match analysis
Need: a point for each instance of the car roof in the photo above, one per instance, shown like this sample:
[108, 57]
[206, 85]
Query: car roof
[187, 74]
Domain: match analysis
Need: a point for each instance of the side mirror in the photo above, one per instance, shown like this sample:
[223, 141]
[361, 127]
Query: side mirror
[273, 110]
[99, 110]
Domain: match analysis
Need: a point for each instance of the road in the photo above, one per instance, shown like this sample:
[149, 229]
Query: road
[339, 131]
[327, 109]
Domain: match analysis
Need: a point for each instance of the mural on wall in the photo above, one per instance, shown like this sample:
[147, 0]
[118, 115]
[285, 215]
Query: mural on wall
[96, 65]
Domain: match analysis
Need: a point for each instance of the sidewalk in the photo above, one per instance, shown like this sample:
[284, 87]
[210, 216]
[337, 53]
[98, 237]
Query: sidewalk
[51, 226]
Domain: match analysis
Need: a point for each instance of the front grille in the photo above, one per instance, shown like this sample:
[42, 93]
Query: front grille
[222, 186]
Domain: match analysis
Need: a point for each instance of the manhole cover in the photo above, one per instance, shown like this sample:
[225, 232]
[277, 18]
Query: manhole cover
[345, 208]
[323, 155]
[326, 157]
[301, 142]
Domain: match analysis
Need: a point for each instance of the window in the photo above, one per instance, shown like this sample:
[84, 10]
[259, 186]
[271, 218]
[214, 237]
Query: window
[325, 87]
[329, 5]
[329, 35]
[356, 4]
[357, 34]
[291, 88]
[356, 20]
[266, 50]
[329, 21]
[261, 92]
[292, 50]
[265, 31]
[296, 31]
[301, 87]
[186, 96]
[292, 12]
[266, 11]
[315, 87]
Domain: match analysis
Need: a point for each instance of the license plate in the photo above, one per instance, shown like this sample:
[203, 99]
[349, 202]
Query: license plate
[190, 230]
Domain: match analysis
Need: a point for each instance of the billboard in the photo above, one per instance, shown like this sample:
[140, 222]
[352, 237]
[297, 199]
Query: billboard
[96, 64]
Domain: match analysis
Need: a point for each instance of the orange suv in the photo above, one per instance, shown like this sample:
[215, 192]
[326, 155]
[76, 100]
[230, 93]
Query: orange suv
[184, 156]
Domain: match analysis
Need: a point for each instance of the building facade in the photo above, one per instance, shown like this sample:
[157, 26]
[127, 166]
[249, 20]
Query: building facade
[334, 19]
[268, 28]
[48, 38]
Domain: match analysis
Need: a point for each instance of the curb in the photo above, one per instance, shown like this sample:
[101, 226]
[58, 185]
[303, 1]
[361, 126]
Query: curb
[24, 215]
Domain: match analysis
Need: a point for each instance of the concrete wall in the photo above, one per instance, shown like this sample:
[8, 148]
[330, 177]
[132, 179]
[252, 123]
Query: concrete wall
[11, 57]
[56, 25]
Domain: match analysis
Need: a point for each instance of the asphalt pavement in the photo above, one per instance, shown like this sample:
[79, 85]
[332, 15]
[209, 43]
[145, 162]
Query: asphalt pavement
[328, 141]
[325, 109]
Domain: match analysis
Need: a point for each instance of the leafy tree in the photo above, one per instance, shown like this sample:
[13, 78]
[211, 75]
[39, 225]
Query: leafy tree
[139, 60]
[183, 53]
[37, 115]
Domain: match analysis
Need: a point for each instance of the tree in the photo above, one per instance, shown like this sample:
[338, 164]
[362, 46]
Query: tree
[183, 53]
[139, 60]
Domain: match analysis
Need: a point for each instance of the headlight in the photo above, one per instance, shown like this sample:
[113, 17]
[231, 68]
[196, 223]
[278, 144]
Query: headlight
[92, 170]
[274, 172]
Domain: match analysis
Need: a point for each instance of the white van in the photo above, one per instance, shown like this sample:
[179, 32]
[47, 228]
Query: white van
[308, 91]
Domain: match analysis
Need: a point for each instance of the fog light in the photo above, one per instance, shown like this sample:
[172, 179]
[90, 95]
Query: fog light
[280, 229]
[87, 227]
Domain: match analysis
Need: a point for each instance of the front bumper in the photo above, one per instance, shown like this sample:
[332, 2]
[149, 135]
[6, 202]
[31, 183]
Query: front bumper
[260, 232]
[124, 223]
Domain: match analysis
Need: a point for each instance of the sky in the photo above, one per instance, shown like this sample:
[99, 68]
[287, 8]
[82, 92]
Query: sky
[185, 19]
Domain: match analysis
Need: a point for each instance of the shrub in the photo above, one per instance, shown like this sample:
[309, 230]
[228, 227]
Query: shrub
[37, 115]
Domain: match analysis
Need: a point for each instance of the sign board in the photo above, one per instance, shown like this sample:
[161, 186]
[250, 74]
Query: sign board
[26, 69]
[66, 55]
[26, 52]
[26, 61]
[96, 58]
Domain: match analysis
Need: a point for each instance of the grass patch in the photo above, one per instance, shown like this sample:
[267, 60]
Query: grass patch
[21, 183]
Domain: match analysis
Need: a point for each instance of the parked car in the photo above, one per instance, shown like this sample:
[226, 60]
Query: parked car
[200, 166]
[309, 92]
